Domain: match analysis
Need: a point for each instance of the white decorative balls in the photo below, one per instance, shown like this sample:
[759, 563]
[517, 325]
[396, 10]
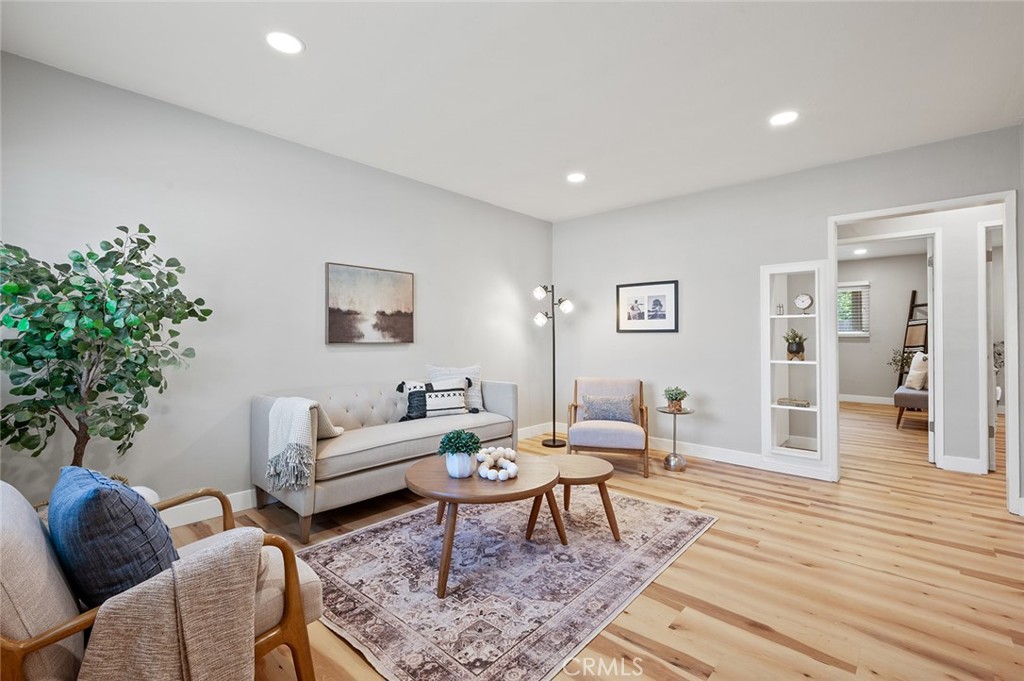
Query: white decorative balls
[496, 463]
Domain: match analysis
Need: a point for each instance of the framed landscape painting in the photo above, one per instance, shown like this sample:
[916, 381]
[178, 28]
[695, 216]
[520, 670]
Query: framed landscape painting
[647, 307]
[368, 305]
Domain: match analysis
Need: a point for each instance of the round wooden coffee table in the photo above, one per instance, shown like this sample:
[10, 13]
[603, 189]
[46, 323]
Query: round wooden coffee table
[429, 478]
[576, 469]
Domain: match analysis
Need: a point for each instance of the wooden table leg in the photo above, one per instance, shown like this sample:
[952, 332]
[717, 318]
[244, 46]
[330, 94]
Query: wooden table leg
[553, 505]
[534, 512]
[567, 487]
[446, 550]
[440, 512]
[608, 510]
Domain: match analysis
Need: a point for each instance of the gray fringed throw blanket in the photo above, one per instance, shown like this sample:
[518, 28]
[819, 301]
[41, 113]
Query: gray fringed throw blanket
[291, 441]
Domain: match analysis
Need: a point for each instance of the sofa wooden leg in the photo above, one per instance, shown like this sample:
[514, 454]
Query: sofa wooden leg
[305, 525]
[262, 497]
[899, 417]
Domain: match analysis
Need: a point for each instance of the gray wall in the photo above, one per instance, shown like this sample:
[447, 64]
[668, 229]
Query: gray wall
[862, 361]
[713, 243]
[254, 219]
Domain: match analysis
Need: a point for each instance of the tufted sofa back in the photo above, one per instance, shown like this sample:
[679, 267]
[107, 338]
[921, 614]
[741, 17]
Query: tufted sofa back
[360, 405]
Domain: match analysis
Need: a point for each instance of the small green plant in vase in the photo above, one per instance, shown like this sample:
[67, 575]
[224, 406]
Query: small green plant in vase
[794, 344]
[458, 447]
[675, 397]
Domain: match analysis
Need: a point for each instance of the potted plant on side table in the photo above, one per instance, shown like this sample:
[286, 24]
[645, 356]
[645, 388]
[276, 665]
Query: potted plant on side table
[459, 447]
[675, 397]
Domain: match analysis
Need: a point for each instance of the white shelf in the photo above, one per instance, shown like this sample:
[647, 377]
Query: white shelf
[810, 362]
[793, 451]
[793, 316]
[813, 407]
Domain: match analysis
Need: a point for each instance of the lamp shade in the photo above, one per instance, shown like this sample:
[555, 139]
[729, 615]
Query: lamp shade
[540, 319]
[565, 305]
[540, 292]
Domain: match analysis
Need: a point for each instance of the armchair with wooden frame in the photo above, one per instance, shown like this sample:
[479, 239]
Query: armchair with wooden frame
[609, 435]
[47, 643]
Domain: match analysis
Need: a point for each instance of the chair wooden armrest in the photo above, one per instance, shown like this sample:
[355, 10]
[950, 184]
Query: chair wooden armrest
[290, 631]
[573, 409]
[643, 416]
[225, 503]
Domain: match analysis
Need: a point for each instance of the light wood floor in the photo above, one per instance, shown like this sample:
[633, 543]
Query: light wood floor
[899, 571]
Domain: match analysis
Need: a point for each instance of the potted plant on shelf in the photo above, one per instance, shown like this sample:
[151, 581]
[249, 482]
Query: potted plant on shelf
[675, 397]
[88, 339]
[459, 447]
[794, 344]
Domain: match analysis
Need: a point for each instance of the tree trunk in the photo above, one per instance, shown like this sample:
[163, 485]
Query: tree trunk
[81, 440]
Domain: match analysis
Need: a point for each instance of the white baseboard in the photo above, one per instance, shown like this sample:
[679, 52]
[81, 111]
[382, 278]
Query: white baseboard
[866, 399]
[204, 509]
[541, 429]
[739, 458]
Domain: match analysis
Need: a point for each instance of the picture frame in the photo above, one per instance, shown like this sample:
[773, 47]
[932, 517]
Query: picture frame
[368, 305]
[647, 307]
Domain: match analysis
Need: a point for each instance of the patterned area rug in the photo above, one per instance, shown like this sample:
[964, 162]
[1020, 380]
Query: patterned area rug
[515, 609]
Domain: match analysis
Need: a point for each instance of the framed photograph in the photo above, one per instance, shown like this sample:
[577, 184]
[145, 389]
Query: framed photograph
[647, 307]
[368, 305]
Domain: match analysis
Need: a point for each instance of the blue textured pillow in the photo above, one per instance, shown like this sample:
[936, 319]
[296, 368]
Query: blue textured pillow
[608, 408]
[108, 539]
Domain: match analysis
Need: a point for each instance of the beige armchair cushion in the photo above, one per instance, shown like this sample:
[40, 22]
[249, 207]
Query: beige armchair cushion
[270, 584]
[34, 595]
[607, 434]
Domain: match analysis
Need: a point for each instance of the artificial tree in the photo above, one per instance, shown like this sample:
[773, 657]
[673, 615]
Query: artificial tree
[90, 338]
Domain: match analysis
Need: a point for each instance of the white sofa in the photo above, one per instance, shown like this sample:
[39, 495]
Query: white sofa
[370, 458]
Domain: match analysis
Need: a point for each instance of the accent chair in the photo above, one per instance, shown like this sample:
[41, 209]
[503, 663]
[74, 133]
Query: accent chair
[609, 415]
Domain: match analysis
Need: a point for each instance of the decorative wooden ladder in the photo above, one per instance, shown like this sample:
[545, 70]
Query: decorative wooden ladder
[915, 338]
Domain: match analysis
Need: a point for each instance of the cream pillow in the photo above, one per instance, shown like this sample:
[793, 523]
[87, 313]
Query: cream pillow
[917, 377]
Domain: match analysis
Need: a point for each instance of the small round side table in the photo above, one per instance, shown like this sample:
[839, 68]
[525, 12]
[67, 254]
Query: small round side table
[675, 461]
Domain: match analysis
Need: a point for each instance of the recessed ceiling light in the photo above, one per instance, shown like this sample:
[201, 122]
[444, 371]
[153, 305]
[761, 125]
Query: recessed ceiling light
[784, 118]
[860, 251]
[576, 178]
[285, 42]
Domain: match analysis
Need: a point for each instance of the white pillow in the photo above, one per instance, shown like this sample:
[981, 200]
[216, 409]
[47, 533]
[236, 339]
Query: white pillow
[447, 397]
[917, 377]
[474, 395]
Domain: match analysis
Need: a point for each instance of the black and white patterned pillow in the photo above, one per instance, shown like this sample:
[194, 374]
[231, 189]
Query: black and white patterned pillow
[440, 398]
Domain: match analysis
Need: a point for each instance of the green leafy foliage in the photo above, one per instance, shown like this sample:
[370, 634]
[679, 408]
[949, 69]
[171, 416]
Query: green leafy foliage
[675, 393]
[90, 339]
[459, 441]
[900, 360]
[794, 336]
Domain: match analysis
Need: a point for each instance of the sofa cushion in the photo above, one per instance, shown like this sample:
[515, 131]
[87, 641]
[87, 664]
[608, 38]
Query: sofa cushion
[34, 595]
[365, 448]
[611, 434]
[270, 584]
[474, 394]
[108, 539]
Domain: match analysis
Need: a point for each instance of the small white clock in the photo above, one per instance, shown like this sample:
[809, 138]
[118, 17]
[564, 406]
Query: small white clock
[803, 302]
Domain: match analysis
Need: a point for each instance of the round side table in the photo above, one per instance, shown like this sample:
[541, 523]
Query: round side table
[675, 461]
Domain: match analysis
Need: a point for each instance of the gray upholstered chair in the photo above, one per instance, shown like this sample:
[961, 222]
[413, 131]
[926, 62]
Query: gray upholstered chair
[909, 398]
[590, 428]
[41, 628]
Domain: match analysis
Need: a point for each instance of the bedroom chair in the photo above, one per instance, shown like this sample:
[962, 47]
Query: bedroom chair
[602, 419]
[40, 631]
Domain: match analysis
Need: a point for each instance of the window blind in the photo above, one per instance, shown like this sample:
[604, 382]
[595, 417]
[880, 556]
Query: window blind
[854, 308]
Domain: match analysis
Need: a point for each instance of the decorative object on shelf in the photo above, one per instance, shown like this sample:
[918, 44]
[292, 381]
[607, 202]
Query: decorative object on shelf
[540, 319]
[794, 344]
[803, 302]
[647, 307]
[792, 402]
[368, 305]
[780, 310]
[458, 446]
[497, 463]
[675, 397]
[90, 339]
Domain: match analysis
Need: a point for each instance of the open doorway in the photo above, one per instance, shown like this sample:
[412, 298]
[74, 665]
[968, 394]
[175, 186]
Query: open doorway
[961, 308]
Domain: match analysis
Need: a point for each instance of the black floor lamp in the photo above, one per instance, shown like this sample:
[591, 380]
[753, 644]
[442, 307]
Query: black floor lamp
[540, 319]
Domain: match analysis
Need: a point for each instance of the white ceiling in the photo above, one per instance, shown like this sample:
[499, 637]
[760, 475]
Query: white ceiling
[500, 101]
[882, 248]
